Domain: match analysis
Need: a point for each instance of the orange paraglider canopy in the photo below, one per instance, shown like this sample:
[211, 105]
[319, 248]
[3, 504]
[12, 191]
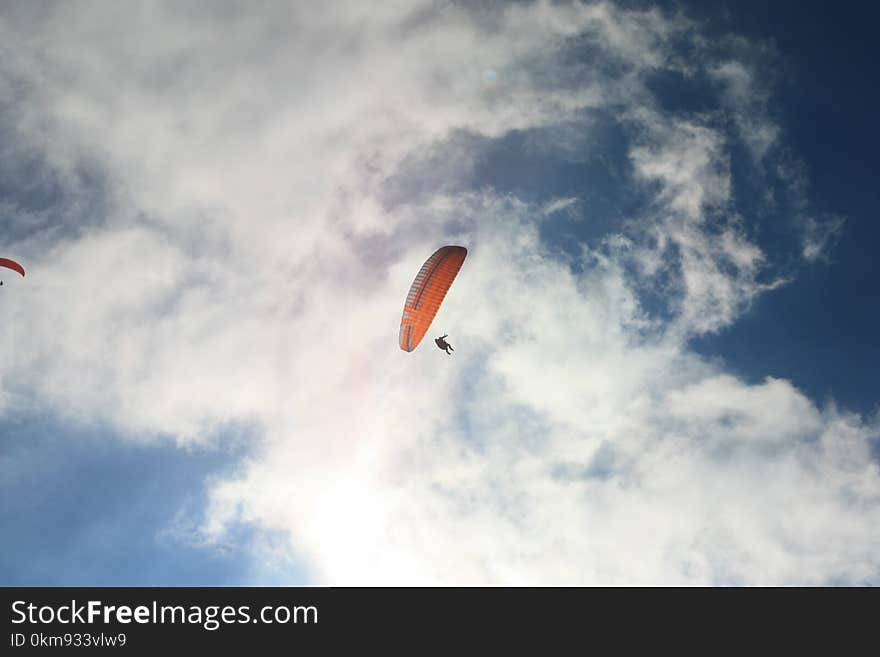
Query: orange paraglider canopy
[427, 293]
[11, 264]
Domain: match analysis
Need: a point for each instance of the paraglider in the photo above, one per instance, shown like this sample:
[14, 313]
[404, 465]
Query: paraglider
[445, 346]
[11, 264]
[427, 293]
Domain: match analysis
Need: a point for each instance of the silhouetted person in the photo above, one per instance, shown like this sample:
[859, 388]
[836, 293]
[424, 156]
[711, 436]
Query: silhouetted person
[445, 346]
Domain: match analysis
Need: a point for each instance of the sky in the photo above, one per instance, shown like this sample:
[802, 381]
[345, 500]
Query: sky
[665, 367]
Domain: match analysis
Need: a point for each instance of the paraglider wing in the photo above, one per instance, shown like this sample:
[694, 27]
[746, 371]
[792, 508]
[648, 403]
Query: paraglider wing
[11, 264]
[427, 293]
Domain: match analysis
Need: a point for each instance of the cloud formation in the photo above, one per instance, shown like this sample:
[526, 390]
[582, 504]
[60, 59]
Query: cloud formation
[244, 262]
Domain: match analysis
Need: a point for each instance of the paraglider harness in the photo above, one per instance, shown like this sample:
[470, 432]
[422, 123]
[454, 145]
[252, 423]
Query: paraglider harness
[445, 346]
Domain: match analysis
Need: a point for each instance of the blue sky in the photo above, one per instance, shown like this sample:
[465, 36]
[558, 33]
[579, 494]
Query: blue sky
[669, 210]
[819, 330]
[81, 509]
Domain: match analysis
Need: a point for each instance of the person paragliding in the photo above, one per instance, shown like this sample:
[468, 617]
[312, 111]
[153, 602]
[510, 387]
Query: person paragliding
[426, 294]
[11, 264]
[445, 346]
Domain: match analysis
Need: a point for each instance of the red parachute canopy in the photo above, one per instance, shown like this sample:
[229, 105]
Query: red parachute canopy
[11, 264]
[427, 293]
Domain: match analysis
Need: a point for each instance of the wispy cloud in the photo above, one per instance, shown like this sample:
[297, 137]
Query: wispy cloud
[820, 235]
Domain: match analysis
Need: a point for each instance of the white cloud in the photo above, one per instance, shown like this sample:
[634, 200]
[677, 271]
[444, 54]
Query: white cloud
[819, 235]
[567, 205]
[748, 98]
[246, 270]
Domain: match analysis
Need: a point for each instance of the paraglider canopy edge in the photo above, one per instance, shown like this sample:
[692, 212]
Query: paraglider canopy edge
[12, 264]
